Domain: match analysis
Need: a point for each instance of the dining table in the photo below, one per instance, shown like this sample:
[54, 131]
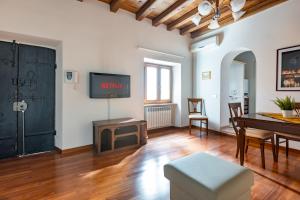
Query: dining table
[263, 122]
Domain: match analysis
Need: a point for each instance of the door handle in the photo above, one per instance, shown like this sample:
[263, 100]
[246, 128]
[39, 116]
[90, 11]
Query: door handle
[20, 106]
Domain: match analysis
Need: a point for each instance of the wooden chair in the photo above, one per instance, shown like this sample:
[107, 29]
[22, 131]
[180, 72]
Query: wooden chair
[287, 136]
[252, 135]
[195, 106]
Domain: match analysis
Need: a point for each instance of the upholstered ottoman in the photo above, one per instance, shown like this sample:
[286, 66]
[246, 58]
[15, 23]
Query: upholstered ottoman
[205, 177]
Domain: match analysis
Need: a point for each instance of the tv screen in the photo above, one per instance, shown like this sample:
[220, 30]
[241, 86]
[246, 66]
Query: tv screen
[109, 85]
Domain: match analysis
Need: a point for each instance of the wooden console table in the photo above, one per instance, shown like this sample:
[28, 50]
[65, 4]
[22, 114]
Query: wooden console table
[110, 135]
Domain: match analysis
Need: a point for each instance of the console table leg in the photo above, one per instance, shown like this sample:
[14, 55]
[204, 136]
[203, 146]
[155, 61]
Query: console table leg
[98, 140]
[112, 139]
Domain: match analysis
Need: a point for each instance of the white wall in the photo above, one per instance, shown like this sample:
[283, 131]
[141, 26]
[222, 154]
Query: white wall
[263, 34]
[94, 39]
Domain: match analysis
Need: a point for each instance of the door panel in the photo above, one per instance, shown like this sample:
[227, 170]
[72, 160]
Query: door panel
[37, 89]
[8, 94]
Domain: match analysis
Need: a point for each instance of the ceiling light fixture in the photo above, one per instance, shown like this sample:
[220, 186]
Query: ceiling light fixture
[237, 15]
[214, 24]
[206, 7]
[196, 19]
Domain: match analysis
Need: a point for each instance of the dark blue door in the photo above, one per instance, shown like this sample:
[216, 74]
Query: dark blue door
[37, 89]
[34, 84]
[8, 94]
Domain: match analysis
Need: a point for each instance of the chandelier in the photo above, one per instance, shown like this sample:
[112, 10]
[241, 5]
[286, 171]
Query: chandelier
[207, 7]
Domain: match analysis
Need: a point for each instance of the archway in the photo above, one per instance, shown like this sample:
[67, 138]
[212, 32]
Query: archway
[238, 84]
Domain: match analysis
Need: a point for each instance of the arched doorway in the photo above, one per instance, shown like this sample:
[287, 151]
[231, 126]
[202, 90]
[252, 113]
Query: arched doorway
[238, 84]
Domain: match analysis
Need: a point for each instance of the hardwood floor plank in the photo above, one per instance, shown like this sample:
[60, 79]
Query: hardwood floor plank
[137, 174]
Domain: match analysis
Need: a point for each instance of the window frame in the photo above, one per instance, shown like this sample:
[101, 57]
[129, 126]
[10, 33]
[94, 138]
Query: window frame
[158, 100]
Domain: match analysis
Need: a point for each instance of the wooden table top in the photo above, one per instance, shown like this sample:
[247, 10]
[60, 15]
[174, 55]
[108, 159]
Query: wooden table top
[257, 116]
[293, 119]
[111, 122]
[267, 123]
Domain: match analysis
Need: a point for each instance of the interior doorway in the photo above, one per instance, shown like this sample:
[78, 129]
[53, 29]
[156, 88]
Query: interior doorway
[238, 84]
[27, 101]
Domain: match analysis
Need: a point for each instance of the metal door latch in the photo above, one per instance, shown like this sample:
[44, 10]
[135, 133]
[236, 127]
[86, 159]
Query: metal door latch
[20, 106]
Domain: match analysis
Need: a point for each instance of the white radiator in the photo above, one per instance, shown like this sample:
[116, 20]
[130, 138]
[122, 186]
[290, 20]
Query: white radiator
[159, 116]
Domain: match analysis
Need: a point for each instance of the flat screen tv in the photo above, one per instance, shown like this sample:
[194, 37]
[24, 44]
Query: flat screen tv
[109, 85]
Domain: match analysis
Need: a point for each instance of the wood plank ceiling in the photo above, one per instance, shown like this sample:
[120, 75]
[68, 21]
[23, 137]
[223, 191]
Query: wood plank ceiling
[177, 14]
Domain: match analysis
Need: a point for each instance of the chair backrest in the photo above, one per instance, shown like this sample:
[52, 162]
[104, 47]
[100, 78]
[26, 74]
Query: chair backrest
[297, 108]
[235, 110]
[195, 105]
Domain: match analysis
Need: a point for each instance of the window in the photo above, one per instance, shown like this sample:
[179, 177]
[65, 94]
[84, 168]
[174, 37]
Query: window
[157, 83]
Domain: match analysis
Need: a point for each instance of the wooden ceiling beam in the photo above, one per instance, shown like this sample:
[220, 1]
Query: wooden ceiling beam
[165, 14]
[115, 5]
[182, 20]
[186, 29]
[144, 10]
[253, 9]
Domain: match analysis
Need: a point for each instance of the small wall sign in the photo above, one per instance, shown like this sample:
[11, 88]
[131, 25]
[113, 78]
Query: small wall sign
[206, 75]
[71, 76]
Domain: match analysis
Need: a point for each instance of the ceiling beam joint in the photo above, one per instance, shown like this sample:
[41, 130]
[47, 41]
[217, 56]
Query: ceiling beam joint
[166, 13]
[145, 10]
[115, 5]
[182, 20]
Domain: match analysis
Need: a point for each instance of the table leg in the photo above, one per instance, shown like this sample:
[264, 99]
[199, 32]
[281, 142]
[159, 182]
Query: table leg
[98, 140]
[242, 145]
[113, 138]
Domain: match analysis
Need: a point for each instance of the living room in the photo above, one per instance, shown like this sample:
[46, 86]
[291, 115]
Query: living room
[123, 37]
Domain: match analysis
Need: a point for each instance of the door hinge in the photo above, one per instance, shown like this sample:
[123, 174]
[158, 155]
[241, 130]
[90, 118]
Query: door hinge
[55, 66]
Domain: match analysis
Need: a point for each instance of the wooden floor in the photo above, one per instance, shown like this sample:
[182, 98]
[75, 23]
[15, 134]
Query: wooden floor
[137, 174]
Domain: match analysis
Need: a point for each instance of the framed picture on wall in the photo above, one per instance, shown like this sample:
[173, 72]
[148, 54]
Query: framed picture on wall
[206, 75]
[288, 69]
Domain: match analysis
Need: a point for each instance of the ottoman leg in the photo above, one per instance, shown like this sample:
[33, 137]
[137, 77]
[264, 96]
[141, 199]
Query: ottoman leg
[177, 193]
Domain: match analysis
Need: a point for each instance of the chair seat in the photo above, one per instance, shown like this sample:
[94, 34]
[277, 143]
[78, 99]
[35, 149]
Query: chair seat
[289, 136]
[197, 116]
[257, 133]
